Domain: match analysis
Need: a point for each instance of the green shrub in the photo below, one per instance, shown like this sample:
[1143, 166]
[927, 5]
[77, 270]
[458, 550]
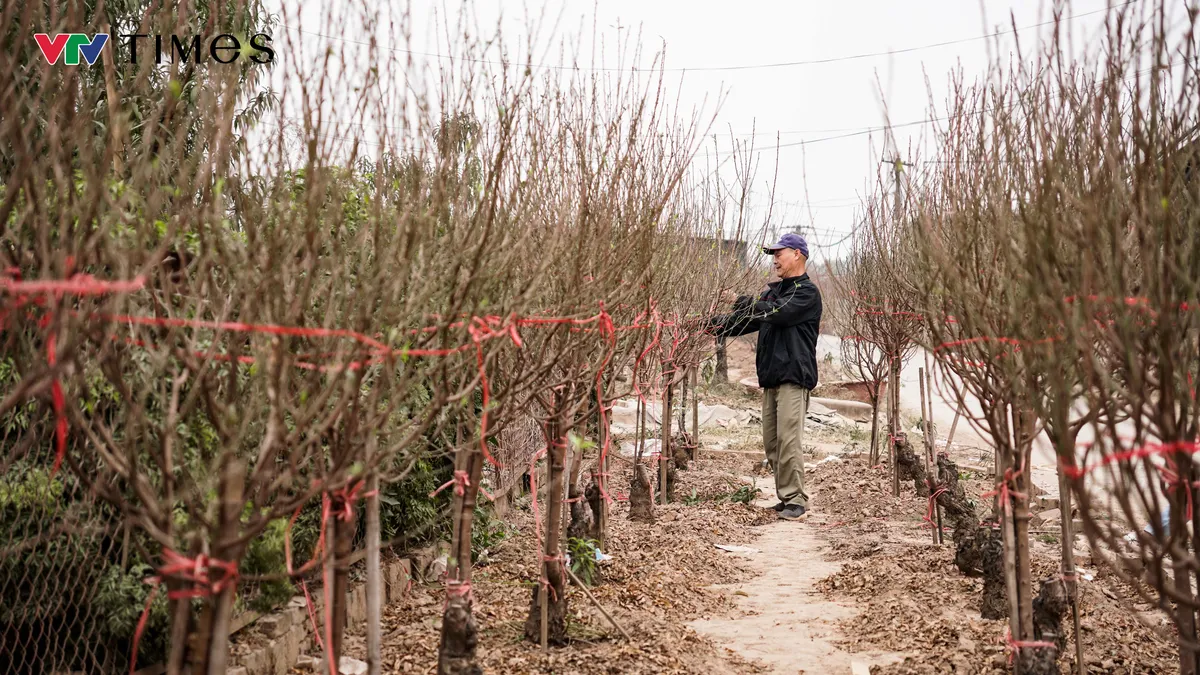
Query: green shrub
[487, 531]
[583, 560]
[266, 556]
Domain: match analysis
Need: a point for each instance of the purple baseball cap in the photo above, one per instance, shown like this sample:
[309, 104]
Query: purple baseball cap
[789, 240]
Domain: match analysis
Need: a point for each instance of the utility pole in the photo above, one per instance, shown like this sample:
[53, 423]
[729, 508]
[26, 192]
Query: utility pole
[897, 170]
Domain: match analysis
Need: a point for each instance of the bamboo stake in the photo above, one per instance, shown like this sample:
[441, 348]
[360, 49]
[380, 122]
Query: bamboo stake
[602, 468]
[695, 412]
[1023, 432]
[1068, 555]
[683, 398]
[925, 442]
[893, 424]
[953, 426]
[544, 588]
[374, 576]
[596, 603]
[664, 451]
[543, 601]
[552, 562]
[931, 435]
[1004, 513]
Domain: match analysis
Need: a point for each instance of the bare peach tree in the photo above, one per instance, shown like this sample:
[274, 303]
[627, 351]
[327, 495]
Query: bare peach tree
[1115, 190]
[1055, 237]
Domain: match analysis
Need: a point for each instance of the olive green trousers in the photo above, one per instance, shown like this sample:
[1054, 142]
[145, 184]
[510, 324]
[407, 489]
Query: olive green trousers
[784, 409]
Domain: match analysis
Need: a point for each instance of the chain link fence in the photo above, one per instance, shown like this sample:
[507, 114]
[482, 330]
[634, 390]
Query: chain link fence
[70, 589]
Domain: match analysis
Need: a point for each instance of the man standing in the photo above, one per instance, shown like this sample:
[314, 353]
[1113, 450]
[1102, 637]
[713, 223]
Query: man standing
[787, 317]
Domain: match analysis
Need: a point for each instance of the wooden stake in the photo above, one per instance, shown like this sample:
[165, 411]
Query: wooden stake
[893, 422]
[543, 601]
[931, 434]
[1004, 512]
[664, 451]
[374, 574]
[1068, 550]
[953, 426]
[596, 603]
[695, 412]
[602, 477]
[683, 398]
[925, 441]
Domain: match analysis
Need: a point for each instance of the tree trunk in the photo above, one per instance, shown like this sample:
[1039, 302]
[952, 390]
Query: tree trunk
[909, 465]
[1185, 614]
[595, 501]
[1048, 610]
[994, 604]
[1026, 425]
[968, 537]
[641, 506]
[1065, 447]
[721, 372]
[460, 634]
[343, 549]
[874, 452]
[329, 607]
[212, 639]
[549, 621]
[579, 515]
[581, 525]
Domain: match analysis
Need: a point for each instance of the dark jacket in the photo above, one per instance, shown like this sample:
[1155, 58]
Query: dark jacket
[787, 317]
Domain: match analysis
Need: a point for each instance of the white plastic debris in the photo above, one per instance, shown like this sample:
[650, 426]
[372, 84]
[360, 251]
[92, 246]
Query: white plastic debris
[629, 449]
[831, 458]
[349, 666]
[601, 557]
[736, 549]
[438, 568]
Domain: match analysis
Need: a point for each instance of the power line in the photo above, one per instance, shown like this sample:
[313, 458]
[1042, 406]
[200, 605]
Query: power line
[755, 66]
[906, 50]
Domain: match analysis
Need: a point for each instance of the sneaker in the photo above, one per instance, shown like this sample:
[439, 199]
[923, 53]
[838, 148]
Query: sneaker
[793, 512]
[778, 507]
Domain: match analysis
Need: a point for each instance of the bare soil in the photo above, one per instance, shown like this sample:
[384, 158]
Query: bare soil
[914, 600]
[662, 576]
[859, 584]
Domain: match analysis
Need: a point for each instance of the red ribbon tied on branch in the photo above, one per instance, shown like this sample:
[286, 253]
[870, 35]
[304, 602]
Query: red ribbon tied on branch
[1014, 646]
[343, 499]
[1004, 492]
[197, 572]
[933, 504]
[78, 285]
[461, 481]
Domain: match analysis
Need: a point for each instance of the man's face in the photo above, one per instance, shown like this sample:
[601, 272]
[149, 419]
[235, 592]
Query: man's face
[787, 262]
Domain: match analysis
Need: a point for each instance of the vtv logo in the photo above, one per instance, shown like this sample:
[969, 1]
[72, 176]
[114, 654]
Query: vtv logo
[72, 45]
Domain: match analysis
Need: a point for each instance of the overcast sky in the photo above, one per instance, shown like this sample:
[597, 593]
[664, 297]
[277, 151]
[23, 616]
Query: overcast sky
[854, 57]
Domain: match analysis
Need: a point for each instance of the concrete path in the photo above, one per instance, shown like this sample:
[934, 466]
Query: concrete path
[788, 624]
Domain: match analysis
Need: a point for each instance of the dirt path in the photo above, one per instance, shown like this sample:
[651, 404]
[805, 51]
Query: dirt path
[787, 624]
